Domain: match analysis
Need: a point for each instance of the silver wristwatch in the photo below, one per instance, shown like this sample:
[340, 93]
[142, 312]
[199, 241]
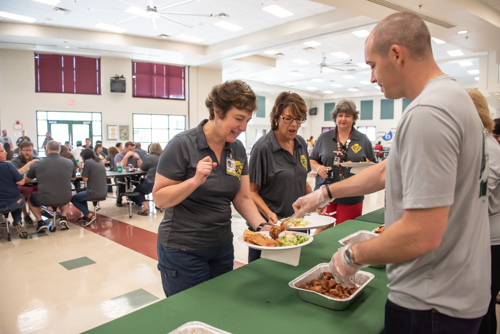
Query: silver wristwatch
[349, 256]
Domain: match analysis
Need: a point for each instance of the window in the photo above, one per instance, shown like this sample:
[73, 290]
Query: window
[406, 103]
[366, 110]
[157, 128]
[386, 109]
[158, 81]
[369, 131]
[261, 107]
[67, 74]
[329, 107]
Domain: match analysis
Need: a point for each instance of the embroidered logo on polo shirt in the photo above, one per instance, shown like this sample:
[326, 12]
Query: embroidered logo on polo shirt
[303, 160]
[356, 148]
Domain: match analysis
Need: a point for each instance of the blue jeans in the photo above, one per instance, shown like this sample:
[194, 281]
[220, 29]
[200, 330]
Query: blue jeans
[15, 208]
[183, 269]
[80, 202]
[144, 188]
[403, 320]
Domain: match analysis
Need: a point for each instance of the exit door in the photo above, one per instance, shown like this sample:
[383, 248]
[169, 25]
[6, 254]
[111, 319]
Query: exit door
[71, 131]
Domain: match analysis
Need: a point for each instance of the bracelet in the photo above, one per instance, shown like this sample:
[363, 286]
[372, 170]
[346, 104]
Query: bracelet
[328, 191]
[260, 226]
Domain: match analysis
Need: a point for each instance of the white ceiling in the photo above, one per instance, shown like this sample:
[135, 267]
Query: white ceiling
[241, 54]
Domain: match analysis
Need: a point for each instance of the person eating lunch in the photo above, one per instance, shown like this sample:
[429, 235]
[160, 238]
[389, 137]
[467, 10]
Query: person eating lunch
[279, 163]
[201, 172]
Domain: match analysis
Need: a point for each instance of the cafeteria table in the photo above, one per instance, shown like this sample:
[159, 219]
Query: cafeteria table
[376, 217]
[256, 298]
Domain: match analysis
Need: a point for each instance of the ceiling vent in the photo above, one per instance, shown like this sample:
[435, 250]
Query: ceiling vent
[61, 10]
[425, 17]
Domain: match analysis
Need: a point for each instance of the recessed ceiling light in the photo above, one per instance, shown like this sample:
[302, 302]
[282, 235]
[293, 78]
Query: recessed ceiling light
[328, 91]
[109, 27]
[348, 76]
[336, 85]
[140, 12]
[301, 61]
[473, 71]
[461, 32]
[437, 40]
[476, 78]
[361, 33]
[17, 17]
[295, 74]
[363, 65]
[352, 89]
[228, 26]
[318, 80]
[365, 82]
[291, 83]
[49, 2]
[497, 93]
[189, 38]
[455, 53]
[311, 88]
[277, 11]
[271, 52]
[340, 55]
[66, 46]
[328, 70]
[312, 43]
[465, 63]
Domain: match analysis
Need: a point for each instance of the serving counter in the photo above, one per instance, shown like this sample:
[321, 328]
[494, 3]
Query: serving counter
[256, 298]
[376, 217]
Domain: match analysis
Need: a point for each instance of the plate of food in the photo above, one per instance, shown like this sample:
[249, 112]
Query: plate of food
[310, 222]
[284, 240]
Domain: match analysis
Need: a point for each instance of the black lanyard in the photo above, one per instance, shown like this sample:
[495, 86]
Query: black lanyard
[342, 151]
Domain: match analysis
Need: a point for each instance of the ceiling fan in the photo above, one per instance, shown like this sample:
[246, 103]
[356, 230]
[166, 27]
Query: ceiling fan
[152, 12]
[330, 67]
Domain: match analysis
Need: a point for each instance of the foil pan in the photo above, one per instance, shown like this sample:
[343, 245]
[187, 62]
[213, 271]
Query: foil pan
[345, 240]
[197, 327]
[361, 279]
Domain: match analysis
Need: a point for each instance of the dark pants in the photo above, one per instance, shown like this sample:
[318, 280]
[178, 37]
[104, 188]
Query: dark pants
[403, 320]
[15, 208]
[183, 269]
[489, 322]
[143, 189]
[80, 202]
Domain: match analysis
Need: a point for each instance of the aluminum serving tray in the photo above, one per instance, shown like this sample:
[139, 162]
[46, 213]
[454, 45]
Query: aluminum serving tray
[361, 279]
[345, 240]
[197, 327]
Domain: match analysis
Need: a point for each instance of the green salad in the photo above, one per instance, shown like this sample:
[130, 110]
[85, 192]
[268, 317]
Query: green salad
[290, 239]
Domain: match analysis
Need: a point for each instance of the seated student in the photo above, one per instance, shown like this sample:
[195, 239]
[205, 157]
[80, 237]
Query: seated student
[10, 197]
[100, 154]
[88, 143]
[23, 162]
[8, 150]
[94, 173]
[148, 166]
[54, 175]
[68, 145]
[77, 150]
[104, 149]
[67, 154]
[140, 151]
[119, 146]
[126, 158]
[113, 151]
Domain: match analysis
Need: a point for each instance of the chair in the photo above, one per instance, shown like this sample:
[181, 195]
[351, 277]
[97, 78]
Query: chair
[4, 223]
[56, 217]
[129, 199]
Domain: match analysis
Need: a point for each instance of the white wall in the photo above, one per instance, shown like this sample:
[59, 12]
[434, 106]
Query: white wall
[201, 82]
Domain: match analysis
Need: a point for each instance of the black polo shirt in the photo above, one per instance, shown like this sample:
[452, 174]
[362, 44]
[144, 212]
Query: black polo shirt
[203, 219]
[360, 148]
[280, 177]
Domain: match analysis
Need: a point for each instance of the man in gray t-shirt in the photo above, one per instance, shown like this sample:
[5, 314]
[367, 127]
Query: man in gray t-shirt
[436, 241]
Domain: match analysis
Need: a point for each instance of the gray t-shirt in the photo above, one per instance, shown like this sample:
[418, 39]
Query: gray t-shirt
[438, 159]
[112, 164]
[97, 187]
[149, 165]
[141, 153]
[18, 162]
[6, 140]
[280, 177]
[203, 219]
[360, 148]
[54, 174]
[494, 189]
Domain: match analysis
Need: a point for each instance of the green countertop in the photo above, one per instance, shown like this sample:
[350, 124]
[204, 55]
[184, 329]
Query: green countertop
[376, 217]
[256, 298]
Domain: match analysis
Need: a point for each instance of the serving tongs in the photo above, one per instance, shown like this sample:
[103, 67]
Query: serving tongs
[288, 222]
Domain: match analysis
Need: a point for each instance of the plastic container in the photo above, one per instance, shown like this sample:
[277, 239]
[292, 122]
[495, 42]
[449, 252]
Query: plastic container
[345, 240]
[361, 279]
[120, 169]
[197, 327]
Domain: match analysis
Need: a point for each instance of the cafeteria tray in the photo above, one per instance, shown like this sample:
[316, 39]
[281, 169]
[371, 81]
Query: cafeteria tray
[361, 279]
[197, 327]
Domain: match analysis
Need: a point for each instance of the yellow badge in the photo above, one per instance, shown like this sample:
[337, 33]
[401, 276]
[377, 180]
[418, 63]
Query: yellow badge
[356, 148]
[234, 168]
[303, 160]
[238, 169]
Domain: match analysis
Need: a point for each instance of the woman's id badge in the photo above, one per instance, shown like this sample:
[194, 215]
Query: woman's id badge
[336, 161]
[230, 166]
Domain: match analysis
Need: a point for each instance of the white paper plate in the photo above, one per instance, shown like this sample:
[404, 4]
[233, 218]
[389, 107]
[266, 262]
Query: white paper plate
[266, 233]
[317, 221]
[345, 240]
[357, 167]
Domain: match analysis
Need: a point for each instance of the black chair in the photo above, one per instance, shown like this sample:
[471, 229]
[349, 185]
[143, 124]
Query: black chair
[129, 196]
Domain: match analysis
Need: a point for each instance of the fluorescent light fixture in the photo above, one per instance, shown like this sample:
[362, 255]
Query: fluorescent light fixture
[189, 38]
[455, 53]
[290, 83]
[365, 82]
[352, 89]
[348, 76]
[361, 33]
[363, 65]
[228, 26]
[318, 80]
[17, 17]
[465, 63]
[66, 46]
[473, 71]
[312, 43]
[461, 32]
[49, 2]
[437, 40]
[311, 88]
[109, 27]
[336, 85]
[328, 70]
[328, 91]
[271, 52]
[476, 78]
[295, 74]
[277, 11]
[301, 61]
[340, 55]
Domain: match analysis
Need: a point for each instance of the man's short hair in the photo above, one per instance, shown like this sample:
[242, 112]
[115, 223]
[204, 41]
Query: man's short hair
[87, 139]
[404, 29]
[129, 143]
[53, 146]
[118, 144]
[24, 144]
[137, 145]
[79, 143]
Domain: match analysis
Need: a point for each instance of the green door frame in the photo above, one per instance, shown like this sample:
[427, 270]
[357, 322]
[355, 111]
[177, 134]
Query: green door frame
[70, 128]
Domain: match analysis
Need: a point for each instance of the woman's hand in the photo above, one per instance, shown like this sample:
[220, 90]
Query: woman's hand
[203, 169]
[322, 171]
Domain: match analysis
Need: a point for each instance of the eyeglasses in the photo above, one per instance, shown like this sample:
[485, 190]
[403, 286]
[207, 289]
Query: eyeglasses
[288, 119]
[23, 150]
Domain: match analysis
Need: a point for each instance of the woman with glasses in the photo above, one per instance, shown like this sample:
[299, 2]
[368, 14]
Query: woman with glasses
[342, 144]
[279, 163]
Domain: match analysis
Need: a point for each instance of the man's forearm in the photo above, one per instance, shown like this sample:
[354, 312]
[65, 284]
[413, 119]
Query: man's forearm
[367, 181]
